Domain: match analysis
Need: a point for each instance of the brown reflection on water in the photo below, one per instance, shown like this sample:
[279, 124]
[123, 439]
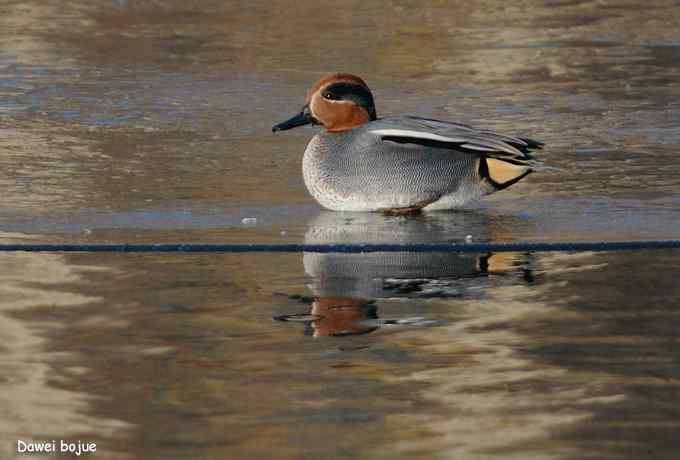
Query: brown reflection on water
[177, 356]
[333, 317]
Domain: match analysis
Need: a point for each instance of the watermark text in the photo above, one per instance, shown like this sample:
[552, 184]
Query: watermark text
[56, 446]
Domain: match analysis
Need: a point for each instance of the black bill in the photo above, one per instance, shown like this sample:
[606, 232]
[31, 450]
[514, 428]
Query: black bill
[302, 118]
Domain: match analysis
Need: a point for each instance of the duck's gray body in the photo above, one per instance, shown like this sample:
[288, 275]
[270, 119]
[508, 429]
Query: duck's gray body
[404, 162]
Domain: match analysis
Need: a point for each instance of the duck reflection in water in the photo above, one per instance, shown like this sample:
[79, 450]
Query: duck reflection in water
[345, 287]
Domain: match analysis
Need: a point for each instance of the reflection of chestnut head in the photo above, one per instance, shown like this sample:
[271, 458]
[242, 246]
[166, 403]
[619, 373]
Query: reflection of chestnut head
[336, 316]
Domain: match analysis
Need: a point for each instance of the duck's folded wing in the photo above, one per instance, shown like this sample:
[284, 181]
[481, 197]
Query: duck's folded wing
[506, 159]
[456, 136]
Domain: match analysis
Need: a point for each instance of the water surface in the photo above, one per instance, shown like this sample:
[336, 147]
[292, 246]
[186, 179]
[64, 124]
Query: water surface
[144, 121]
[545, 355]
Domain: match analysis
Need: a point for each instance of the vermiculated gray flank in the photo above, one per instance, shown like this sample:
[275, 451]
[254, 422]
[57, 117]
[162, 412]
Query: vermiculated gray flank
[403, 162]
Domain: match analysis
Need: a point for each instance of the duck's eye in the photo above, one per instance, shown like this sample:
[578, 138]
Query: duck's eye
[331, 96]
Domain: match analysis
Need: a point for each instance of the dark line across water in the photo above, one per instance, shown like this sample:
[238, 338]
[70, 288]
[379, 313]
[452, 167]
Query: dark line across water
[349, 248]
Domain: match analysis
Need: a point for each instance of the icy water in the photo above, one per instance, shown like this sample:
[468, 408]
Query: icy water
[509, 355]
[148, 121]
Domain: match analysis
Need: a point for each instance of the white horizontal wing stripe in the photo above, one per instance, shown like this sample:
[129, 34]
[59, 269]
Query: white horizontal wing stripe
[417, 134]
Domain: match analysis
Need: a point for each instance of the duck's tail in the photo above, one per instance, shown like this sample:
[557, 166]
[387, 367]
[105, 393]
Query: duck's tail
[502, 171]
[502, 174]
